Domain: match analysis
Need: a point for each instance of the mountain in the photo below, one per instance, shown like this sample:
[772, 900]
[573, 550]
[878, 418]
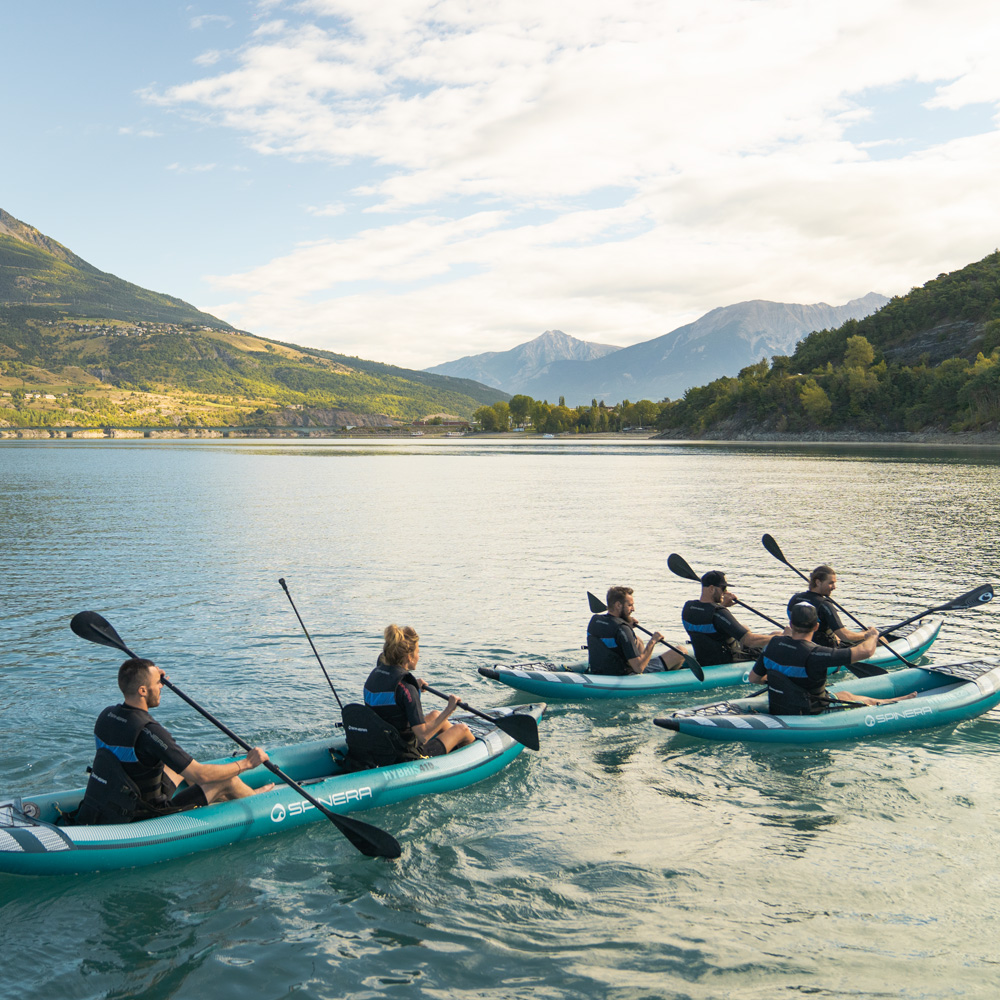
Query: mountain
[35, 270]
[926, 363]
[512, 370]
[720, 343]
[121, 354]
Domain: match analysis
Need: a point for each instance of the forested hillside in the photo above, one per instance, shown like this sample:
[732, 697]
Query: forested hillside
[927, 361]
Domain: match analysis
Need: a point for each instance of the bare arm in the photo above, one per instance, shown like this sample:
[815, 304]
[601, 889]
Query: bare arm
[865, 649]
[639, 663]
[205, 774]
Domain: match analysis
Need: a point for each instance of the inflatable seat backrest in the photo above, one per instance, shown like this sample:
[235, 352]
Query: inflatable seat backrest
[371, 741]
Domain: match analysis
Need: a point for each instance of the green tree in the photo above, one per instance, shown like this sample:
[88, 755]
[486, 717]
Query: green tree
[815, 401]
[859, 353]
[520, 408]
[486, 417]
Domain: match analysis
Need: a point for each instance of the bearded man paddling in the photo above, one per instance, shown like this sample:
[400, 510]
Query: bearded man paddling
[138, 765]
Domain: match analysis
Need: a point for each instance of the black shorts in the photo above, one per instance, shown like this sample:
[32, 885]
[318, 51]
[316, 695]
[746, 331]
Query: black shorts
[433, 748]
[191, 797]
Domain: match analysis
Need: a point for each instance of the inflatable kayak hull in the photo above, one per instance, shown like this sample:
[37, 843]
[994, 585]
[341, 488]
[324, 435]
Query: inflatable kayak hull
[30, 843]
[945, 695]
[548, 681]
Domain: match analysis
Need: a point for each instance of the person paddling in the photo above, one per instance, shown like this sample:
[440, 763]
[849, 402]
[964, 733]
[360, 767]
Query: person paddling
[612, 647]
[393, 693]
[138, 765]
[796, 667]
[831, 631]
[716, 636]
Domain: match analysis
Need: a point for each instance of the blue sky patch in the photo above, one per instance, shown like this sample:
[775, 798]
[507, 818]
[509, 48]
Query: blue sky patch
[898, 122]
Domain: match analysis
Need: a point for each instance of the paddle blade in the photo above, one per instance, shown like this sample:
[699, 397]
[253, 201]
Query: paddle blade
[695, 667]
[866, 670]
[93, 627]
[981, 595]
[678, 566]
[597, 607]
[368, 839]
[522, 728]
[774, 548]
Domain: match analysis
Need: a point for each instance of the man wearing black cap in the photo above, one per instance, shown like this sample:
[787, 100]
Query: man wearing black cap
[796, 667]
[716, 636]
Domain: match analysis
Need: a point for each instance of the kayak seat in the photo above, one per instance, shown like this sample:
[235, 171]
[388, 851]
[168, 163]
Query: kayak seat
[371, 741]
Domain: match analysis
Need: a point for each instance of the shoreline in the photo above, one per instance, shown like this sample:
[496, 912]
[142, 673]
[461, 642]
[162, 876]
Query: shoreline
[285, 433]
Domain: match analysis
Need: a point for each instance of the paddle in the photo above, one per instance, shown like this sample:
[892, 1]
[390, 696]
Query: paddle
[370, 840]
[678, 565]
[981, 595]
[284, 587]
[522, 728]
[598, 607]
[775, 549]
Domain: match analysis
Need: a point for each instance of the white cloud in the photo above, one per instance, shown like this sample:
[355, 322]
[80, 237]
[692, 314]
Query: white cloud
[208, 20]
[195, 168]
[713, 131]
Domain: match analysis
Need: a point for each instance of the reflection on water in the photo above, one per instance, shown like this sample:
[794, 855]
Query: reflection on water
[621, 860]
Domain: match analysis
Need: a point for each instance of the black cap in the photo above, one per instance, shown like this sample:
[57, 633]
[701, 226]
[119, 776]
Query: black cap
[714, 578]
[803, 616]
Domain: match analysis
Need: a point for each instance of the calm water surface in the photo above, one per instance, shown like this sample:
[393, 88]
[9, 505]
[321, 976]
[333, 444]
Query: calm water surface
[621, 861]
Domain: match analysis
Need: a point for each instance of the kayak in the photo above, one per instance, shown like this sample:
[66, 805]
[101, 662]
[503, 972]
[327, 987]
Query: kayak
[31, 843]
[945, 695]
[573, 683]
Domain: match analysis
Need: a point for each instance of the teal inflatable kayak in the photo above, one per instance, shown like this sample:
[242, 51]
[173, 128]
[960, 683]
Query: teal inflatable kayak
[551, 682]
[31, 843]
[945, 695]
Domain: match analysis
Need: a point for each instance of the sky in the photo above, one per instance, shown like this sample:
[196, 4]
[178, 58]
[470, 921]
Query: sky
[414, 181]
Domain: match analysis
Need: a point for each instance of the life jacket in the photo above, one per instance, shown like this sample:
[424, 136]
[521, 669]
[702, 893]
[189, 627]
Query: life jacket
[790, 691]
[709, 644]
[380, 698]
[111, 795]
[824, 635]
[603, 652]
[120, 786]
[373, 742]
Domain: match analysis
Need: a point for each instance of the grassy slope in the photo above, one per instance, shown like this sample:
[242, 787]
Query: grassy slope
[64, 324]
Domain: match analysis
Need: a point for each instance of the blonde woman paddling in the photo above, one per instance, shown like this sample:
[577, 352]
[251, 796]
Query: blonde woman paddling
[393, 693]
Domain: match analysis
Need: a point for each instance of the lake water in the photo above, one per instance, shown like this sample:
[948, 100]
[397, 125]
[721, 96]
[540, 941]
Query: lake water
[622, 861]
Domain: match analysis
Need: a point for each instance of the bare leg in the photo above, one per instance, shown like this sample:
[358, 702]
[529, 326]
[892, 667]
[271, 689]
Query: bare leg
[222, 791]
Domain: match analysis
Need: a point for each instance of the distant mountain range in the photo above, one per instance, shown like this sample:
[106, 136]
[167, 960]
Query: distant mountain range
[121, 354]
[521, 364]
[720, 343]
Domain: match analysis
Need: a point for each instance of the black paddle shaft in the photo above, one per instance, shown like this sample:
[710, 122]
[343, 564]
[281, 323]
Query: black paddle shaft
[678, 565]
[521, 728]
[370, 840]
[974, 598]
[284, 587]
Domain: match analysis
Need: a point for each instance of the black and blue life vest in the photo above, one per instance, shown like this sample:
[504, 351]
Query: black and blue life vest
[603, 652]
[120, 786]
[380, 697]
[709, 644]
[790, 690]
